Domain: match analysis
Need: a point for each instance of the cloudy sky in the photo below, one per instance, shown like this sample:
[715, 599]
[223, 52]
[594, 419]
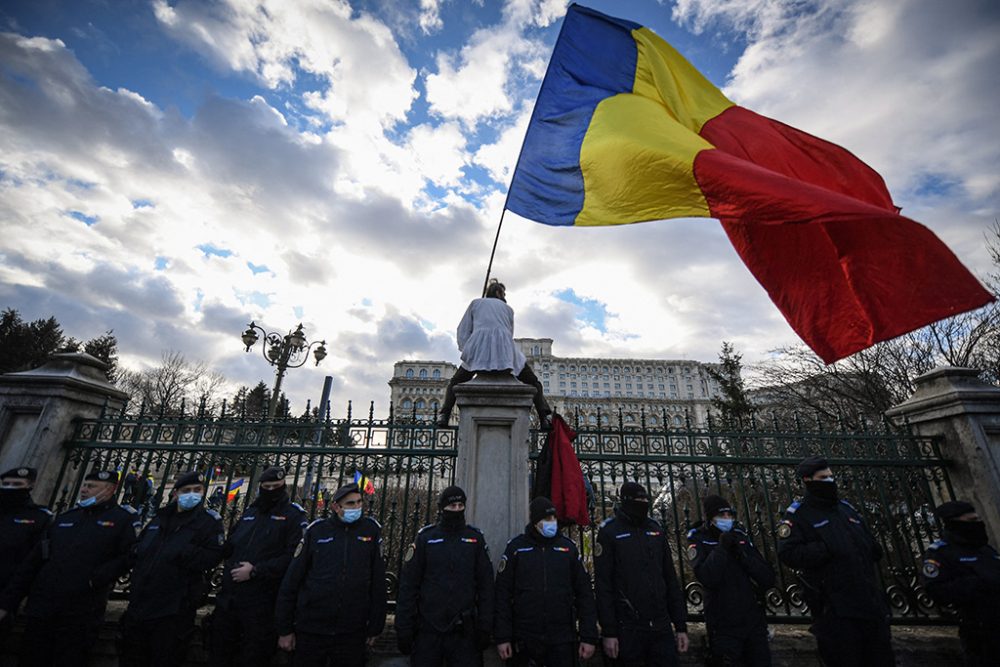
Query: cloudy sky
[171, 169]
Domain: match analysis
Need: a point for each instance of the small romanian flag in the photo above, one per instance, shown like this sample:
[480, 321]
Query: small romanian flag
[234, 490]
[364, 484]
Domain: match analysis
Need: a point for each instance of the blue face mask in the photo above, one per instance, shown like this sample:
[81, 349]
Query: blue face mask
[549, 528]
[725, 525]
[350, 516]
[87, 502]
[188, 501]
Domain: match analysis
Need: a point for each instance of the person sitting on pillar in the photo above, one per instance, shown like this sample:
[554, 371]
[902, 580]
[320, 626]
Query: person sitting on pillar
[22, 524]
[258, 552]
[735, 577]
[70, 573]
[638, 595]
[486, 341]
[542, 592]
[444, 614]
[963, 570]
[176, 552]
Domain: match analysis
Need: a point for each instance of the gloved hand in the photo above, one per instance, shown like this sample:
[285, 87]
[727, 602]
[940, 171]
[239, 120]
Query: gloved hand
[405, 644]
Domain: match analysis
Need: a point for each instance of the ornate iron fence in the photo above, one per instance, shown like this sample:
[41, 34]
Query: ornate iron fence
[891, 476]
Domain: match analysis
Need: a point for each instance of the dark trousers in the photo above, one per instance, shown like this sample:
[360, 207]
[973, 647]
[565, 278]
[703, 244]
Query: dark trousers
[58, 641]
[527, 376]
[647, 648]
[449, 649]
[530, 654]
[243, 636]
[158, 642]
[744, 650]
[853, 642]
[979, 649]
[344, 650]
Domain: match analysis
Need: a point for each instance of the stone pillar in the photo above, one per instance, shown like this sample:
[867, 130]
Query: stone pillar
[955, 404]
[38, 409]
[492, 464]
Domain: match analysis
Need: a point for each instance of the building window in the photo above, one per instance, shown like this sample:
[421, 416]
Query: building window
[572, 384]
[420, 404]
[678, 421]
[435, 406]
[409, 372]
[562, 384]
[407, 404]
[592, 419]
[630, 418]
[423, 373]
[437, 374]
[585, 393]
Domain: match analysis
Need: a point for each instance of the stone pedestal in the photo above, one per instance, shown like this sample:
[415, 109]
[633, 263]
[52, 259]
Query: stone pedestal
[492, 464]
[955, 404]
[38, 408]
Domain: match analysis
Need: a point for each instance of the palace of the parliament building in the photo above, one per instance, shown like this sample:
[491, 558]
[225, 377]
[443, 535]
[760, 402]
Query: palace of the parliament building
[595, 388]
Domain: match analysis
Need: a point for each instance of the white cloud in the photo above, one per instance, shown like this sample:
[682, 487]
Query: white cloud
[430, 16]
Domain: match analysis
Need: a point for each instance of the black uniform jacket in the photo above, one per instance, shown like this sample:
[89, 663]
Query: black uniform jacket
[21, 527]
[175, 553]
[447, 579]
[336, 581]
[542, 590]
[734, 580]
[835, 554]
[635, 579]
[266, 536]
[967, 578]
[72, 569]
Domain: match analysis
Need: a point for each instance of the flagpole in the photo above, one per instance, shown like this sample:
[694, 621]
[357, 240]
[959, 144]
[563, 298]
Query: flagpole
[493, 252]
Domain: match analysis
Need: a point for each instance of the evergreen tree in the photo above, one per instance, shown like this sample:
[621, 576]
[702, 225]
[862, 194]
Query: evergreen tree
[732, 404]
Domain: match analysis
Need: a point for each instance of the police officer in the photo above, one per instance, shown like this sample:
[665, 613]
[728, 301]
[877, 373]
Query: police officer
[176, 552]
[735, 577]
[638, 597]
[69, 574]
[827, 541]
[332, 600]
[542, 591]
[258, 551]
[962, 570]
[444, 614]
[22, 524]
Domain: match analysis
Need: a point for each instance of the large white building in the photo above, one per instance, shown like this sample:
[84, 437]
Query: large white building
[599, 389]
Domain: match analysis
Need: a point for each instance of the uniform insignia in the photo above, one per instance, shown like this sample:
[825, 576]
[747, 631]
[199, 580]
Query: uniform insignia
[503, 564]
[692, 551]
[931, 569]
[103, 475]
[784, 529]
[222, 539]
[410, 550]
[821, 523]
[278, 517]
[298, 549]
[470, 540]
[853, 520]
[324, 540]
[106, 524]
[22, 472]
[364, 538]
[562, 549]
[653, 533]
[65, 525]
[622, 535]
[598, 550]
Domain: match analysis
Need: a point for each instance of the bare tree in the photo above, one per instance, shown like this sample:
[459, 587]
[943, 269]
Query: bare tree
[174, 383]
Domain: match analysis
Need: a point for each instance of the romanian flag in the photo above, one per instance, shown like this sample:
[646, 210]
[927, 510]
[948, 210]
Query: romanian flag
[234, 489]
[364, 484]
[626, 130]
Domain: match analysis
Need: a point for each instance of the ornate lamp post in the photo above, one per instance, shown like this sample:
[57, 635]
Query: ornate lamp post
[283, 352]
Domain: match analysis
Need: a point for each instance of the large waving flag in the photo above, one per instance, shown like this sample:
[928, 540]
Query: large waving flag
[626, 130]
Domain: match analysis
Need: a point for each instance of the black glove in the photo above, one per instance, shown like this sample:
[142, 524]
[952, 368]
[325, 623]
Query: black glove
[730, 541]
[405, 644]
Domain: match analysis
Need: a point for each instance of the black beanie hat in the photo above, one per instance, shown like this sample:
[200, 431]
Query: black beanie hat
[21, 472]
[810, 466]
[632, 490]
[102, 476]
[273, 474]
[188, 478]
[453, 494]
[540, 508]
[953, 509]
[713, 505]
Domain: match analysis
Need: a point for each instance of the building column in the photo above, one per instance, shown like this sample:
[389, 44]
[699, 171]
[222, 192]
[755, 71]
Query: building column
[954, 404]
[38, 409]
[492, 466]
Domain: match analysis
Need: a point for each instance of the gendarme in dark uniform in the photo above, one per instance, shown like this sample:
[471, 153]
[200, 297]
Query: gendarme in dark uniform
[735, 577]
[542, 593]
[173, 560]
[69, 574]
[638, 596]
[22, 522]
[332, 601]
[444, 615]
[962, 570]
[826, 540]
[258, 552]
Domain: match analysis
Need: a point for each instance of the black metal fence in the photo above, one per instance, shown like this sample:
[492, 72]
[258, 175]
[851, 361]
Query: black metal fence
[891, 476]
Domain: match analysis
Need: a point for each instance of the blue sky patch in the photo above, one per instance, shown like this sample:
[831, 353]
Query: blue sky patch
[142, 203]
[214, 251]
[160, 263]
[89, 220]
[258, 268]
[589, 311]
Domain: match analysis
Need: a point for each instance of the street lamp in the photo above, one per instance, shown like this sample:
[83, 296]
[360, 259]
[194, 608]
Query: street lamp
[283, 352]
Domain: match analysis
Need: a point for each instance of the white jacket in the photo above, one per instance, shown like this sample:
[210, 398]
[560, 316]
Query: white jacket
[486, 338]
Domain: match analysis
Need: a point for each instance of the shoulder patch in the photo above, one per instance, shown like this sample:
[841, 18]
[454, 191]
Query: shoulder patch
[598, 550]
[931, 568]
[848, 504]
[937, 544]
[606, 522]
[212, 513]
[503, 564]
[784, 529]
[430, 525]
[314, 522]
[410, 550]
[691, 533]
[129, 509]
[372, 519]
[794, 506]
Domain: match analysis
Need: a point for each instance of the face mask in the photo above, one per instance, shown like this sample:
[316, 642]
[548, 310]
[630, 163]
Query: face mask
[87, 502]
[822, 489]
[14, 497]
[636, 510]
[972, 533]
[724, 525]
[549, 528]
[187, 501]
[352, 515]
[452, 520]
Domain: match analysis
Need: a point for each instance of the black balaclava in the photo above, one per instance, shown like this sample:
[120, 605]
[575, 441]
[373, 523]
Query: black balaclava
[11, 498]
[969, 533]
[450, 519]
[825, 491]
[634, 501]
[270, 497]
